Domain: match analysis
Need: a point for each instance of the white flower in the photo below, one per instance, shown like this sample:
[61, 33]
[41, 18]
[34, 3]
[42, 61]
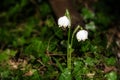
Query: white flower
[63, 22]
[82, 35]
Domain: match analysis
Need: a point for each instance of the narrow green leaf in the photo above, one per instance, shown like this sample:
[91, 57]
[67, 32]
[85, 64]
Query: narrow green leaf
[66, 75]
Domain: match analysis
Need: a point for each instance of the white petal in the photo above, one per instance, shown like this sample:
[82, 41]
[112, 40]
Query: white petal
[63, 22]
[82, 35]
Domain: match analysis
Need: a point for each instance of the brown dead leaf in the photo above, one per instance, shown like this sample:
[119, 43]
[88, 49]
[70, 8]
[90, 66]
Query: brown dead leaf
[110, 36]
[13, 64]
[109, 69]
[29, 73]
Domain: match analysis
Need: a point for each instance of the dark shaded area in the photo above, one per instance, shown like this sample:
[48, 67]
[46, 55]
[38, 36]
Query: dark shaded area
[109, 7]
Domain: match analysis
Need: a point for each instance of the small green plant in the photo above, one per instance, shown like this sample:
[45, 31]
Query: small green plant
[81, 35]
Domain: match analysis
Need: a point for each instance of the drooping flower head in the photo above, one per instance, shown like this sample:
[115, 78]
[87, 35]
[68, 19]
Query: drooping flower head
[64, 22]
[82, 35]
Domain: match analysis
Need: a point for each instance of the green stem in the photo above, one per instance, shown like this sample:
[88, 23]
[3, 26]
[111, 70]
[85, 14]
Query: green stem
[69, 47]
[69, 51]
[74, 34]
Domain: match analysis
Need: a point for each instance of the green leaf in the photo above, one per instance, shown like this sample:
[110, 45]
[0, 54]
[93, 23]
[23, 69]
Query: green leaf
[45, 9]
[23, 2]
[5, 55]
[90, 26]
[85, 46]
[14, 10]
[103, 19]
[111, 61]
[36, 75]
[66, 75]
[111, 76]
[77, 72]
[29, 27]
[67, 14]
[90, 61]
[58, 32]
[5, 74]
[36, 48]
[19, 41]
[87, 14]
[59, 65]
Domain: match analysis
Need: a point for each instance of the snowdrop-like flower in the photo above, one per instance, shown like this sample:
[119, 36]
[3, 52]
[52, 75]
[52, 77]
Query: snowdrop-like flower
[63, 22]
[82, 35]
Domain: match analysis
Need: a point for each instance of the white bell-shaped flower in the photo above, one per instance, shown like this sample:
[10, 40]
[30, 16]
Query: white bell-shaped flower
[82, 35]
[64, 22]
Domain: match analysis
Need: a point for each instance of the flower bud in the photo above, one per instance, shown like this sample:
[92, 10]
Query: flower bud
[63, 22]
[82, 35]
